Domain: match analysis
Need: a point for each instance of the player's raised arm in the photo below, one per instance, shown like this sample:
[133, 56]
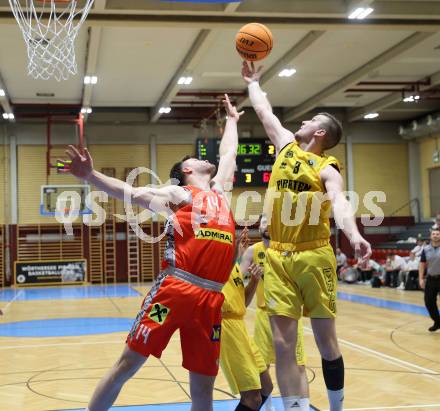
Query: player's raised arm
[155, 199]
[255, 272]
[228, 147]
[246, 259]
[343, 212]
[279, 135]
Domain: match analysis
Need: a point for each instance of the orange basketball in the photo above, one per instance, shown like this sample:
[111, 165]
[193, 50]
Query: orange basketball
[254, 41]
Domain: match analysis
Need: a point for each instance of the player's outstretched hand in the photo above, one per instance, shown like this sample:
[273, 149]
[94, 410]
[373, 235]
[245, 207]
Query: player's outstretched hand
[250, 73]
[362, 249]
[243, 242]
[231, 110]
[82, 163]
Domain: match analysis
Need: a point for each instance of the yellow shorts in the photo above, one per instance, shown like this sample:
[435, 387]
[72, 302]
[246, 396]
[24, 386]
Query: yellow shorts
[302, 282]
[263, 339]
[240, 359]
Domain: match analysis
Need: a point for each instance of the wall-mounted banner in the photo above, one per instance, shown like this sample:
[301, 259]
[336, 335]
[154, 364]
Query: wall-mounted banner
[29, 273]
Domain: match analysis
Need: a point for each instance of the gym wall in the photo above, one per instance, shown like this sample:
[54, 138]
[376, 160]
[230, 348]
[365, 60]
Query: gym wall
[380, 159]
[3, 183]
[382, 167]
[427, 148]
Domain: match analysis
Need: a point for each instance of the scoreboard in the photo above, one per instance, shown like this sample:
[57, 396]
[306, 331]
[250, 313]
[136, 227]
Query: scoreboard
[255, 157]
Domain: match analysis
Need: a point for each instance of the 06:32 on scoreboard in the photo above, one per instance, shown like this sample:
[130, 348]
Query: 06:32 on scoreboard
[255, 157]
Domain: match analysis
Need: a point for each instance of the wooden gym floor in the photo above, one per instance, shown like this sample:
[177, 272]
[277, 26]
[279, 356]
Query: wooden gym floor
[56, 343]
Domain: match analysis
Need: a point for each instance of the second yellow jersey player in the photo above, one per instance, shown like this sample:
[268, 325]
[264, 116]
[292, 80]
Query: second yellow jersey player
[262, 331]
[240, 359]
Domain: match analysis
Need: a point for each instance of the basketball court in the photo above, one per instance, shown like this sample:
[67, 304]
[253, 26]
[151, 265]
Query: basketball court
[140, 83]
[57, 343]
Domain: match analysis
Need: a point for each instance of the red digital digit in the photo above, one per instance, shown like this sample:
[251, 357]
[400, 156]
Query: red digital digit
[266, 177]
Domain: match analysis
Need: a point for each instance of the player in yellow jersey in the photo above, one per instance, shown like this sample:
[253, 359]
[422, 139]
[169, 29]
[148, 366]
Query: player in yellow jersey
[304, 186]
[256, 254]
[240, 359]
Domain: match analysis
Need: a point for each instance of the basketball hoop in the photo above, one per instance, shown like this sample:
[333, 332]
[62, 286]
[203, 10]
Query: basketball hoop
[50, 34]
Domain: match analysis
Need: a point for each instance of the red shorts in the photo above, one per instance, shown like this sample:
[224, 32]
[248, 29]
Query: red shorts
[174, 304]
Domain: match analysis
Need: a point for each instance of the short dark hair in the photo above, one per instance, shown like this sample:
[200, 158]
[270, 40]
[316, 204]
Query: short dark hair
[177, 173]
[333, 127]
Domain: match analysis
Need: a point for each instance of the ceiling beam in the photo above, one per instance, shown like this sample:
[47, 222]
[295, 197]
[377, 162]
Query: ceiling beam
[93, 45]
[201, 44]
[356, 75]
[286, 59]
[172, 88]
[387, 101]
[353, 4]
[406, 8]
[274, 20]
[4, 100]
[299, 8]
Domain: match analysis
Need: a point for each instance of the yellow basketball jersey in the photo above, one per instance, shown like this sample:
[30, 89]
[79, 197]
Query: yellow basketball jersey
[234, 304]
[297, 215]
[259, 257]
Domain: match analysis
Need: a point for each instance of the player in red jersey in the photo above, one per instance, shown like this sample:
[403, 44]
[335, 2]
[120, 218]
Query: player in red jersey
[198, 260]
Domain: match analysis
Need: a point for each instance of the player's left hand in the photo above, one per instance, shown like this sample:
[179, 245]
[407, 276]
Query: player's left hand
[82, 163]
[362, 249]
[250, 73]
[231, 110]
[243, 242]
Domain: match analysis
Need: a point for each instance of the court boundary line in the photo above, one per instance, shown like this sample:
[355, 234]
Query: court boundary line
[394, 407]
[408, 308]
[388, 358]
[72, 298]
[312, 407]
[5, 308]
[427, 372]
[9, 347]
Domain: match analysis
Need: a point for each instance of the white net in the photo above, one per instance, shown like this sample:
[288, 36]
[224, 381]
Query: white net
[49, 29]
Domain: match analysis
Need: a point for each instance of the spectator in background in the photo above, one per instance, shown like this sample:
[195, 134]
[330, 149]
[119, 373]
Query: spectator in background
[436, 225]
[410, 270]
[341, 260]
[395, 263]
[430, 260]
[367, 270]
[417, 250]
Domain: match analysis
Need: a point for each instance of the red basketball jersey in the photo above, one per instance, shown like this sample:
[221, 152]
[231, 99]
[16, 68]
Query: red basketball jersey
[201, 236]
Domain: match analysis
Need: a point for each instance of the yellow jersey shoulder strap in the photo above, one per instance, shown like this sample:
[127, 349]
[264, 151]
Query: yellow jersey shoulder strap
[330, 161]
[289, 146]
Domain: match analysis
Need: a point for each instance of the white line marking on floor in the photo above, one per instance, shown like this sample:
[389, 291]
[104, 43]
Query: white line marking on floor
[10, 302]
[395, 407]
[61, 344]
[396, 361]
[388, 358]
[17, 347]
